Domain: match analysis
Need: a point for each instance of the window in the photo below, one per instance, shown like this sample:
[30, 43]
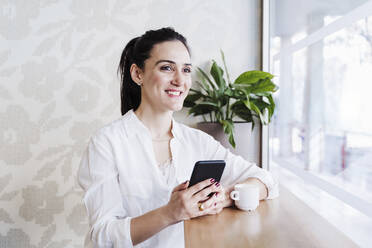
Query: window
[321, 54]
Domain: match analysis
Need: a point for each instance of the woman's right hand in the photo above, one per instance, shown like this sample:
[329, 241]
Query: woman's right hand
[184, 202]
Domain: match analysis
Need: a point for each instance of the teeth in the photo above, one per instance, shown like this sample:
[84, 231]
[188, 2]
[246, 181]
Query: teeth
[175, 93]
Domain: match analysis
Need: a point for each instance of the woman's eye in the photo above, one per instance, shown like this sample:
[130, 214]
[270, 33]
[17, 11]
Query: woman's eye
[187, 70]
[166, 68]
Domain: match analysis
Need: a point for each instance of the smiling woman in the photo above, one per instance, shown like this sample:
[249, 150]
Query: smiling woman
[164, 82]
[166, 53]
[135, 170]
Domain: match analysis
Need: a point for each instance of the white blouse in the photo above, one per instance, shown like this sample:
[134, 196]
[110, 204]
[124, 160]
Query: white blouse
[168, 171]
[122, 180]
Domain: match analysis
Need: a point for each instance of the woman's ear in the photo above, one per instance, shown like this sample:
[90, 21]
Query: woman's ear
[136, 74]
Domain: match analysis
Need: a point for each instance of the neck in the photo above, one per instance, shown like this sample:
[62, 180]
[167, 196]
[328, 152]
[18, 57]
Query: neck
[159, 123]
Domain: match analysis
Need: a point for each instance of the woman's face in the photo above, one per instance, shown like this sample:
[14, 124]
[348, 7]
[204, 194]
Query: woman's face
[166, 77]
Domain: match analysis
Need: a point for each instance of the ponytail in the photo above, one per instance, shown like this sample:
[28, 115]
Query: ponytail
[130, 91]
[136, 52]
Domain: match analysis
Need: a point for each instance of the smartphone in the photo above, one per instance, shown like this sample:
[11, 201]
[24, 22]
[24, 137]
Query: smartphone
[207, 169]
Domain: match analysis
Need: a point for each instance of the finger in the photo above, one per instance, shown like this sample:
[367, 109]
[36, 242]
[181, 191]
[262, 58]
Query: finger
[181, 186]
[199, 186]
[203, 212]
[219, 189]
[219, 207]
[220, 196]
[215, 209]
[204, 194]
[211, 202]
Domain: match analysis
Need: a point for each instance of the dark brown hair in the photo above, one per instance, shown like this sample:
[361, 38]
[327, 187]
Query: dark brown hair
[136, 52]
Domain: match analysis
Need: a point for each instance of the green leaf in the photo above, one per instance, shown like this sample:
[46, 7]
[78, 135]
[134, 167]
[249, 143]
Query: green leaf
[203, 108]
[195, 91]
[217, 74]
[224, 64]
[239, 94]
[251, 77]
[206, 90]
[211, 104]
[263, 86]
[204, 83]
[232, 140]
[202, 86]
[242, 86]
[242, 91]
[222, 100]
[260, 104]
[241, 110]
[271, 107]
[263, 93]
[207, 78]
[202, 95]
[229, 92]
[191, 99]
[263, 107]
[257, 110]
[228, 128]
[247, 103]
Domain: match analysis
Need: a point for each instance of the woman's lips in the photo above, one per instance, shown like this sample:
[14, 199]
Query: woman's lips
[173, 93]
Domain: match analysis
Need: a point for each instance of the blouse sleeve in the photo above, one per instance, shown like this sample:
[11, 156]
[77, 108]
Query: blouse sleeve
[98, 176]
[238, 169]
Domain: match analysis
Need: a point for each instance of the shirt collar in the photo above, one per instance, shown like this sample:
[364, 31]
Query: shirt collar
[134, 126]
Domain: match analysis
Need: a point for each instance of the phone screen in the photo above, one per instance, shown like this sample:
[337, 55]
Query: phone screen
[207, 169]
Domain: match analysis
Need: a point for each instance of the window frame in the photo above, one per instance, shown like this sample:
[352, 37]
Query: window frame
[363, 11]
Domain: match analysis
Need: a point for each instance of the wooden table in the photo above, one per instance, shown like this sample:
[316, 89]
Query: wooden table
[282, 222]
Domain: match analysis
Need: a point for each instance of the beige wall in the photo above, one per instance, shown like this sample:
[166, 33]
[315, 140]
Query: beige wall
[58, 60]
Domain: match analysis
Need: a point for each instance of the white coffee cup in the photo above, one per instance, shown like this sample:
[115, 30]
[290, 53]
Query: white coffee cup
[246, 196]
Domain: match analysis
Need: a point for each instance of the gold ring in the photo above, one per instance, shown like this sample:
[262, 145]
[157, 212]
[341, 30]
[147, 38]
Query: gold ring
[201, 206]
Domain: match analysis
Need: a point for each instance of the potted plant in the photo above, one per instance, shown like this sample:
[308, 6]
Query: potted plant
[223, 102]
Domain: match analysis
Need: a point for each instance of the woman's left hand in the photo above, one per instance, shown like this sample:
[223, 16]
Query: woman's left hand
[220, 199]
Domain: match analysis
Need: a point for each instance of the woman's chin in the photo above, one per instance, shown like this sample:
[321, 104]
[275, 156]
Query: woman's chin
[175, 108]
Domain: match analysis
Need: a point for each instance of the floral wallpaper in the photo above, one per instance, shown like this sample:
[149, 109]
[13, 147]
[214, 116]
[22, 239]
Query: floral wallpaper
[58, 84]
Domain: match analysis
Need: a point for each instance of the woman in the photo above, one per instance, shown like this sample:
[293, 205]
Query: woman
[135, 170]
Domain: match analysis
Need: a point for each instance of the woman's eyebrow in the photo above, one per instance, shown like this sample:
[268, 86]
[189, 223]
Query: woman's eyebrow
[170, 61]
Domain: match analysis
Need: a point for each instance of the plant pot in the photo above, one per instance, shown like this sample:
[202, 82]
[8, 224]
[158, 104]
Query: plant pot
[247, 141]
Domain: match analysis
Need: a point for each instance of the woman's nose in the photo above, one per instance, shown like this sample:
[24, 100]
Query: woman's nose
[178, 79]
